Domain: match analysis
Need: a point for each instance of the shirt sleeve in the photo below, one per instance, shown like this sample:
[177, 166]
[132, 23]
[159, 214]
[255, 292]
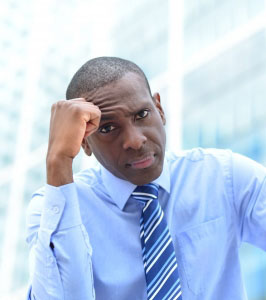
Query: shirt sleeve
[60, 251]
[249, 195]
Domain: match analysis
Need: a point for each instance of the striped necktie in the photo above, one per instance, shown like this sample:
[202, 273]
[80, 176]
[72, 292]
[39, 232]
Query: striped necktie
[157, 247]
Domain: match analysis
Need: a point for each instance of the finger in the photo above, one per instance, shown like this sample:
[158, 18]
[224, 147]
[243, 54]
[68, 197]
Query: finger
[92, 120]
[90, 129]
[92, 114]
[84, 104]
[93, 124]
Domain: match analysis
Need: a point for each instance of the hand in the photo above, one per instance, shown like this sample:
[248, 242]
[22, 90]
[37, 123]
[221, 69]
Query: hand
[71, 122]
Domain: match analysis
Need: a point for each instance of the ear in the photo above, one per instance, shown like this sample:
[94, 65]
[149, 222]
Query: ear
[86, 147]
[157, 101]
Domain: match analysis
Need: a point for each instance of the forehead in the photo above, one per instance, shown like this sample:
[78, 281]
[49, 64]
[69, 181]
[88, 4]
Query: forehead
[129, 92]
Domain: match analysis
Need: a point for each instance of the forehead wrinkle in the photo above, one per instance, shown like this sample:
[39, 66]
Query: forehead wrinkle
[100, 96]
[114, 113]
[97, 96]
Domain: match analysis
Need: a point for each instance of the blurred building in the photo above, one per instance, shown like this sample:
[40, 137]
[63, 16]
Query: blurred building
[224, 77]
[220, 61]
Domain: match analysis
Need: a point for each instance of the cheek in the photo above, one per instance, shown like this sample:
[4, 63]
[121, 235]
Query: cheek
[158, 131]
[107, 154]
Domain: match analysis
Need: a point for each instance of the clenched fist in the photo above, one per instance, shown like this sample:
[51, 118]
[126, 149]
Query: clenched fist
[71, 122]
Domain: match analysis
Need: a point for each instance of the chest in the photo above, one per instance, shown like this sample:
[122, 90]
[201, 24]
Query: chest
[199, 229]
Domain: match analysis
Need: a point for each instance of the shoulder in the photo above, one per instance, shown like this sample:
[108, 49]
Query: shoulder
[89, 176]
[200, 163]
[214, 161]
[199, 155]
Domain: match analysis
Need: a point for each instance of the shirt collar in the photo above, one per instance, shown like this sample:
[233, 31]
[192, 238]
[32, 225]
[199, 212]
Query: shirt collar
[120, 190]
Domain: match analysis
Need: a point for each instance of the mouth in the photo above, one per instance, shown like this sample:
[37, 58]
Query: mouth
[142, 163]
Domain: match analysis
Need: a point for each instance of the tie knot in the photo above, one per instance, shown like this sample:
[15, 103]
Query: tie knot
[146, 192]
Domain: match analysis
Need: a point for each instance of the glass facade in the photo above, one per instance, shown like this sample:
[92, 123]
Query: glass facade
[42, 45]
[206, 21]
[142, 28]
[231, 88]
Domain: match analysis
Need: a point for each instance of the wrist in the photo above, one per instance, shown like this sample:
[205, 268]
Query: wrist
[59, 170]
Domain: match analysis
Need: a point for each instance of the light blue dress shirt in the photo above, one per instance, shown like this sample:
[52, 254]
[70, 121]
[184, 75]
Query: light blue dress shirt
[213, 200]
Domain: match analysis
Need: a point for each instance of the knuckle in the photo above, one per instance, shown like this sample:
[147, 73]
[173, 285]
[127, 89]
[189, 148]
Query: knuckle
[58, 105]
[76, 109]
[98, 112]
[61, 103]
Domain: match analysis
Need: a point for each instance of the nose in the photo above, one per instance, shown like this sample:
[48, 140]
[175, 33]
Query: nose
[133, 138]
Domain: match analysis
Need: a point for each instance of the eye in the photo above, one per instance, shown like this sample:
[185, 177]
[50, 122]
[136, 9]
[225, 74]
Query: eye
[106, 129]
[142, 114]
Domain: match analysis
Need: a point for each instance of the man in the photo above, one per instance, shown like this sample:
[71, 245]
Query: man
[90, 236]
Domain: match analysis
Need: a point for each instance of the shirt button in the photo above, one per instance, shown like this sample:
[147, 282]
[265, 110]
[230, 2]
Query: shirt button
[51, 260]
[56, 209]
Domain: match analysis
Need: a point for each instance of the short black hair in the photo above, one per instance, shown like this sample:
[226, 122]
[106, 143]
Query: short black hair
[99, 72]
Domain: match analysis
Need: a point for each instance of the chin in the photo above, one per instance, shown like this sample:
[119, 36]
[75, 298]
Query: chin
[146, 177]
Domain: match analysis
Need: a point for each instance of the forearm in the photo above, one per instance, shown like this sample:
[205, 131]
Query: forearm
[46, 282]
[66, 271]
[61, 265]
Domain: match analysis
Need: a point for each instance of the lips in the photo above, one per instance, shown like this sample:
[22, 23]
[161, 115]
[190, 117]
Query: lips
[143, 162]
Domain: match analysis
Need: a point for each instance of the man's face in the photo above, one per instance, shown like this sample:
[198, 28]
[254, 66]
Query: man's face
[130, 141]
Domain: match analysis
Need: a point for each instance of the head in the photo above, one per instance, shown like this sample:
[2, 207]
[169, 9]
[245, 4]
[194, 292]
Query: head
[130, 141]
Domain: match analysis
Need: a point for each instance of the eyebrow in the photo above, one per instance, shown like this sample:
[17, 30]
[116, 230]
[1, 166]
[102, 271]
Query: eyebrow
[112, 117]
[107, 118]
